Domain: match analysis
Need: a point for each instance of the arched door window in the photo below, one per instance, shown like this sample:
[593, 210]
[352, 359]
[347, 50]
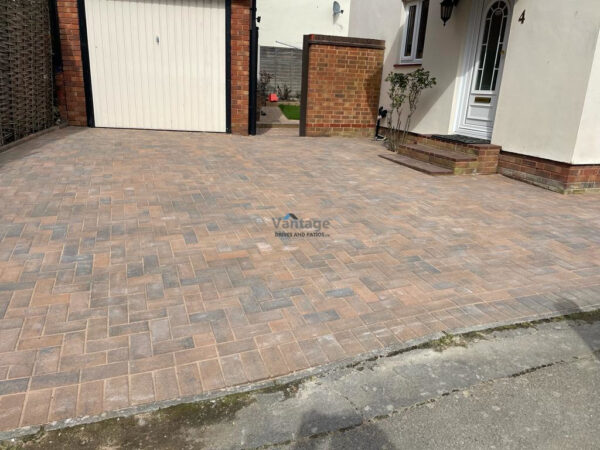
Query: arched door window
[492, 45]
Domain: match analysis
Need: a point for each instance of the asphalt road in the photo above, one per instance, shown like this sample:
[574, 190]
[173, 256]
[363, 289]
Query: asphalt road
[556, 407]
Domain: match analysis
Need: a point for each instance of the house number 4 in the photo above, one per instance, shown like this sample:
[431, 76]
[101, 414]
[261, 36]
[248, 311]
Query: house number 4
[522, 17]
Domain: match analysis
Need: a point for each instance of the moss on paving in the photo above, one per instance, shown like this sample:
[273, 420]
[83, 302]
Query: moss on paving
[288, 389]
[589, 316]
[462, 340]
[176, 427]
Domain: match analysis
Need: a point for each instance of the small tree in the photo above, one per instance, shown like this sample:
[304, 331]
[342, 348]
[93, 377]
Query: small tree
[405, 87]
[419, 80]
[397, 93]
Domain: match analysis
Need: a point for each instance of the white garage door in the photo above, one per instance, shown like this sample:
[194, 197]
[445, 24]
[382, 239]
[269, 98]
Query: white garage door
[158, 65]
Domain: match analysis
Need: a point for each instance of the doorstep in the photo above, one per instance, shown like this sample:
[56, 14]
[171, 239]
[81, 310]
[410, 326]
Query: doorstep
[460, 158]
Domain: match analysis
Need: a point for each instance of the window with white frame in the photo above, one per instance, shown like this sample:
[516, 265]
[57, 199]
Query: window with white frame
[415, 26]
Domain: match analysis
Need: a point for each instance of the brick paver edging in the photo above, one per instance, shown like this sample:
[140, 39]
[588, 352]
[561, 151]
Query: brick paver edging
[283, 380]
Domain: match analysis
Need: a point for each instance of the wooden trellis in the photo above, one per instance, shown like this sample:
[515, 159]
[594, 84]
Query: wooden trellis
[26, 86]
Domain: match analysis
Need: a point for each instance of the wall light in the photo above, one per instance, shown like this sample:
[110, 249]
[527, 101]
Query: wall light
[446, 7]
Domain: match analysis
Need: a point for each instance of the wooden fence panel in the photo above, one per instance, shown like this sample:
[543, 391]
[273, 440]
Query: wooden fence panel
[26, 82]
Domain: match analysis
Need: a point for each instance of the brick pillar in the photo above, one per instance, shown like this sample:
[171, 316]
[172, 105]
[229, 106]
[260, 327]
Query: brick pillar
[240, 65]
[69, 84]
[341, 78]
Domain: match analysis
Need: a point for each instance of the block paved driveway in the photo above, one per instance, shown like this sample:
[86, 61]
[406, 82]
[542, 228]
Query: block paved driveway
[139, 266]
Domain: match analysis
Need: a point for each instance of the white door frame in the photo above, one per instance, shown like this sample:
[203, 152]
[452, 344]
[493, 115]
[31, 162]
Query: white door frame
[465, 80]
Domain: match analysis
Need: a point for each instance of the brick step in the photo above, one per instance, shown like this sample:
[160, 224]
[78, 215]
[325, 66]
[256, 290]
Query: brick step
[438, 156]
[472, 149]
[424, 151]
[445, 145]
[461, 158]
[416, 164]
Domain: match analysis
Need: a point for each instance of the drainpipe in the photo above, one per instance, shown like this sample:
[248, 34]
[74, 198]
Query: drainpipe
[253, 69]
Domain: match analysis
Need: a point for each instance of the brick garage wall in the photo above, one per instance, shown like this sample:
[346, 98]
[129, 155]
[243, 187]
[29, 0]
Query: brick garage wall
[553, 175]
[240, 65]
[340, 86]
[69, 83]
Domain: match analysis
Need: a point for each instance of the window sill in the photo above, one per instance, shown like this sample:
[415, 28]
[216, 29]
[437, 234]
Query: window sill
[407, 64]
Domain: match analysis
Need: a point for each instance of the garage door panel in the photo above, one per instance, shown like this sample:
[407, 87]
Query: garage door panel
[158, 64]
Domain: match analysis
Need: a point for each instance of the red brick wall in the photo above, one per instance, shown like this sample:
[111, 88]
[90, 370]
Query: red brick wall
[69, 84]
[341, 86]
[240, 65]
[553, 175]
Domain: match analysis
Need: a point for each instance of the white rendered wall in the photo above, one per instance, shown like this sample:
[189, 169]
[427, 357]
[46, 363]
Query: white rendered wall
[380, 19]
[587, 146]
[443, 57]
[545, 82]
[384, 19]
[288, 21]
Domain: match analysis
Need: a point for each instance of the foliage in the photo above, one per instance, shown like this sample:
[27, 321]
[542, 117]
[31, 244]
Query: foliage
[262, 85]
[263, 82]
[284, 92]
[397, 93]
[292, 112]
[419, 80]
[403, 88]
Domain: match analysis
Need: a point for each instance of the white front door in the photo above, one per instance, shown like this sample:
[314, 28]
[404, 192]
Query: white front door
[485, 61]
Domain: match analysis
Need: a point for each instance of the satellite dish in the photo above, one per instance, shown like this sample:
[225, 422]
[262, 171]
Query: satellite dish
[337, 9]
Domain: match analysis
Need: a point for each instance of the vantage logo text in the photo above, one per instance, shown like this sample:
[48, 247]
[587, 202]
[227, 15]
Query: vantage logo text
[291, 226]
